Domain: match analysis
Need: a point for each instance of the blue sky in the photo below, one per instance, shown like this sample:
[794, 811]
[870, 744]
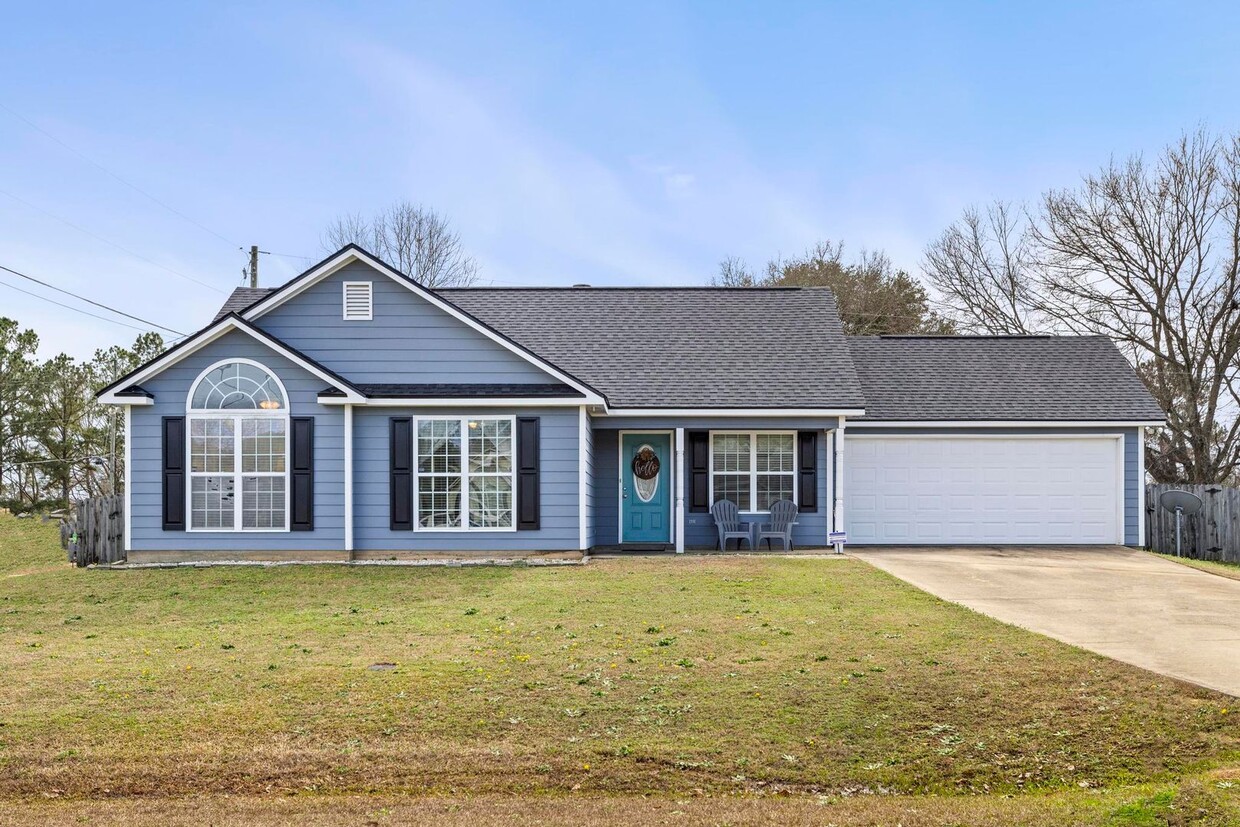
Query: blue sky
[620, 143]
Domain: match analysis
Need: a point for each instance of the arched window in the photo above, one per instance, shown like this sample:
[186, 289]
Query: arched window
[238, 449]
[238, 385]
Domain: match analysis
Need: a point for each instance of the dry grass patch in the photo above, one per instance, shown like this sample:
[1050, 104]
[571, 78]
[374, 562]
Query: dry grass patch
[1192, 803]
[655, 675]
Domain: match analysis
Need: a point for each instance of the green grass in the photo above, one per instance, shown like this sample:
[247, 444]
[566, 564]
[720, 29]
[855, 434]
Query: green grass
[1231, 570]
[709, 676]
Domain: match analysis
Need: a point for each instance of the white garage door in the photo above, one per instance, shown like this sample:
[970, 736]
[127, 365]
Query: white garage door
[980, 490]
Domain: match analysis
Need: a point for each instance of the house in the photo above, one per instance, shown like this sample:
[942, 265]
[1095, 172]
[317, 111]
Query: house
[353, 413]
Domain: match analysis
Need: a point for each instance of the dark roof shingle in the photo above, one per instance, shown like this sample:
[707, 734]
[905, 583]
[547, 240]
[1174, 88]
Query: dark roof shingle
[686, 347]
[1017, 378]
[241, 298]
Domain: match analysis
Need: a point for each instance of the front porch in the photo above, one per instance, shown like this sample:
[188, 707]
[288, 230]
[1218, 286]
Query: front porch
[751, 460]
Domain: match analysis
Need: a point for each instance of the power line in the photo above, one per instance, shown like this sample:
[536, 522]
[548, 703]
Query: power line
[97, 237]
[283, 255]
[71, 307]
[104, 169]
[99, 457]
[89, 301]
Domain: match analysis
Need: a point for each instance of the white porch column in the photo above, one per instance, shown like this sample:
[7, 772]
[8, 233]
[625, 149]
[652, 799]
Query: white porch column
[1141, 486]
[348, 479]
[838, 521]
[127, 478]
[584, 445]
[678, 469]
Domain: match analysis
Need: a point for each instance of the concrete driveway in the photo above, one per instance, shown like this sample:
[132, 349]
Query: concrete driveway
[1129, 605]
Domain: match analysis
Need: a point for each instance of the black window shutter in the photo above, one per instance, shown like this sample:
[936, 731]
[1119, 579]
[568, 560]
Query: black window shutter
[400, 485]
[174, 473]
[807, 470]
[528, 497]
[699, 470]
[302, 468]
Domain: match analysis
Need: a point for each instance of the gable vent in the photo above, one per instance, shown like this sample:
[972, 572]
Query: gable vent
[358, 301]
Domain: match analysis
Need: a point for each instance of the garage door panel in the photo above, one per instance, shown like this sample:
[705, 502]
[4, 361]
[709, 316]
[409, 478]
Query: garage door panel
[982, 490]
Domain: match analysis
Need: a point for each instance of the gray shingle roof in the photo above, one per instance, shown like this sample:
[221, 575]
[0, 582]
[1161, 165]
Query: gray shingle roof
[773, 348]
[241, 298]
[694, 347]
[1074, 378]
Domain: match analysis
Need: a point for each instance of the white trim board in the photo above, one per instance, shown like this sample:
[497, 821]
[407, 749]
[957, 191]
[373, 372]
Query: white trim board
[350, 254]
[722, 412]
[1004, 423]
[205, 337]
[128, 476]
[1141, 487]
[859, 433]
[348, 478]
[454, 402]
[584, 442]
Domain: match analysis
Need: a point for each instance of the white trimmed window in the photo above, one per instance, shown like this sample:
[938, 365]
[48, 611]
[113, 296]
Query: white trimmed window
[752, 469]
[359, 305]
[466, 474]
[238, 449]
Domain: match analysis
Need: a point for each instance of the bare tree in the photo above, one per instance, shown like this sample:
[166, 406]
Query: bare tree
[981, 268]
[1149, 255]
[873, 296]
[417, 240]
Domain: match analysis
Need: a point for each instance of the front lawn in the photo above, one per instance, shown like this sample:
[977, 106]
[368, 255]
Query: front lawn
[699, 676]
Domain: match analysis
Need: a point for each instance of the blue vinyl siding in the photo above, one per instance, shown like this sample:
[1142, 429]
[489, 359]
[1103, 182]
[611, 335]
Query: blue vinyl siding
[811, 528]
[408, 341]
[171, 388]
[1132, 485]
[558, 469]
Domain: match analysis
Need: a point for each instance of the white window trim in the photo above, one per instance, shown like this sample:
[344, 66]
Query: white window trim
[370, 301]
[464, 527]
[237, 474]
[753, 465]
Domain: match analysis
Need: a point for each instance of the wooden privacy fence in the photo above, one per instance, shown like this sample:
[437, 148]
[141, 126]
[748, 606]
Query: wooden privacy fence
[94, 531]
[1213, 533]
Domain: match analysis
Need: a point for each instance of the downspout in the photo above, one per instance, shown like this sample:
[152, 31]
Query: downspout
[838, 520]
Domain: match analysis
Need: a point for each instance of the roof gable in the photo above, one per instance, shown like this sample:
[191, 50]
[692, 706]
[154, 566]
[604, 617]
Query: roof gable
[126, 391]
[353, 256]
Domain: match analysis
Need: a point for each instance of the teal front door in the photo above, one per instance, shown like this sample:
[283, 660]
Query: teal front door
[645, 488]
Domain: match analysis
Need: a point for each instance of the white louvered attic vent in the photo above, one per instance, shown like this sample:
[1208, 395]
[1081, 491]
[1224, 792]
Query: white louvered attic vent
[358, 301]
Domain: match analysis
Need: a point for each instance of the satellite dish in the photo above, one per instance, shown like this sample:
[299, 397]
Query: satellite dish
[1182, 504]
[1185, 502]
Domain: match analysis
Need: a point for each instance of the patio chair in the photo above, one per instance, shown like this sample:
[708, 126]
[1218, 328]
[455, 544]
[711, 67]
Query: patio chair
[783, 515]
[730, 526]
